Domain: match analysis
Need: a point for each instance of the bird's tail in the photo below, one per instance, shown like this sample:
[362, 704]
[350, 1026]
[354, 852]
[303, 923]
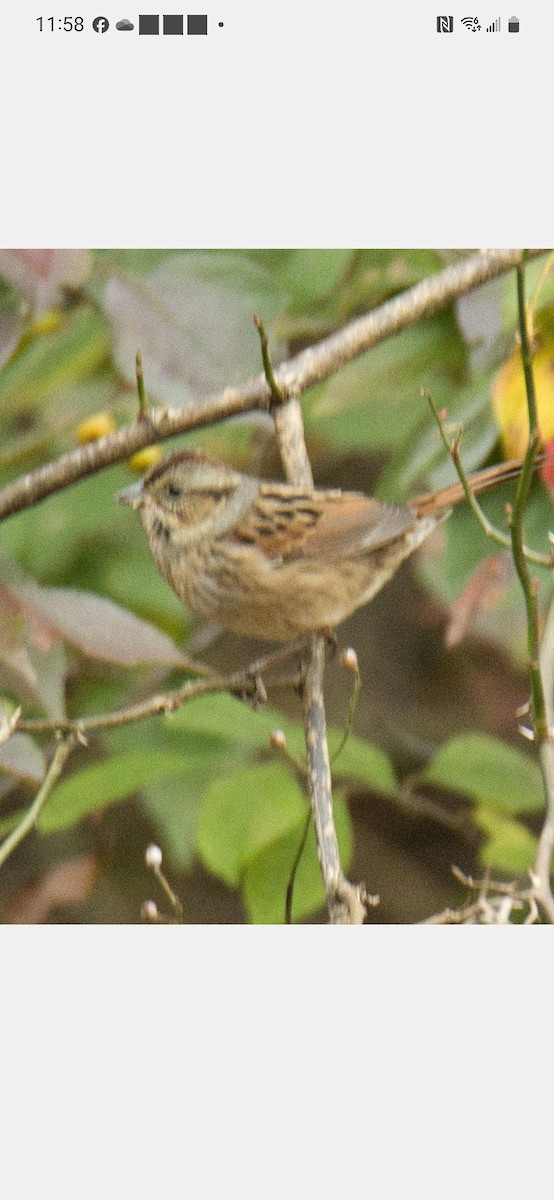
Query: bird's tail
[433, 503]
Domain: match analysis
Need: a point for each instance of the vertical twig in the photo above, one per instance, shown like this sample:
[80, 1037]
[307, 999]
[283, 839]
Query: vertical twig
[545, 851]
[540, 707]
[344, 900]
[142, 401]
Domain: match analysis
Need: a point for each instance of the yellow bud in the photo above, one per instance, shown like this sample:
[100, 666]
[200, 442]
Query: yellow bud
[95, 427]
[144, 459]
[49, 322]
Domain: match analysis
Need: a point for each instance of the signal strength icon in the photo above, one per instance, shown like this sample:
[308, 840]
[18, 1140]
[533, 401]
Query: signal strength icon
[495, 27]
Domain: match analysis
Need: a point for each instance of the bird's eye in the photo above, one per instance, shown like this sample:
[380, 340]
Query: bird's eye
[174, 490]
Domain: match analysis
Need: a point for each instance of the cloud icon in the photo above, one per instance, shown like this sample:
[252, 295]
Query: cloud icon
[125, 24]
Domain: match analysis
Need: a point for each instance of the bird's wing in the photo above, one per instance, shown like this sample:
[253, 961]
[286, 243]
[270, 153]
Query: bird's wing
[286, 523]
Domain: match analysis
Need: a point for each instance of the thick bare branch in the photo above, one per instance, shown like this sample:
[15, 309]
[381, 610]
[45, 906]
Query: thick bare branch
[318, 362]
[292, 378]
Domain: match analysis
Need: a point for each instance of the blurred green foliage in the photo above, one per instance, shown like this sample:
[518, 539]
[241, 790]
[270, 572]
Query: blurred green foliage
[206, 778]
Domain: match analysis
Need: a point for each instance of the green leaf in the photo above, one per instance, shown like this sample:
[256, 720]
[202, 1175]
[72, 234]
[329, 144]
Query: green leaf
[423, 455]
[489, 771]
[310, 274]
[226, 717]
[60, 539]
[375, 402]
[267, 874]
[244, 812]
[510, 847]
[55, 363]
[105, 783]
[174, 803]
[361, 762]
[126, 261]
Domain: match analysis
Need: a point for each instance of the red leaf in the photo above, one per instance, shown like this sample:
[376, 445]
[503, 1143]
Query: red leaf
[100, 628]
[68, 883]
[547, 469]
[38, 274]
[484, 588]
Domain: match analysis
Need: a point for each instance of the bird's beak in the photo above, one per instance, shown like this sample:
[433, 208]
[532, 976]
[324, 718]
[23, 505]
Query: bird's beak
[133, 495]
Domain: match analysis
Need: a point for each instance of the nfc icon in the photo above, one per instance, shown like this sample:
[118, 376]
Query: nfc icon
[445, 24]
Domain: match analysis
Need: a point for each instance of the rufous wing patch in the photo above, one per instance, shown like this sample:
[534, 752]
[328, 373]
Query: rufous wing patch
[286, 524]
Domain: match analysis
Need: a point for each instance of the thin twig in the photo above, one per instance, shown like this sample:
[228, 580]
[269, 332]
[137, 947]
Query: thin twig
[350, 659]
[293, 871]
[143, 403]
[244, 681]
[493, 905]
[538, 705]
[153, 859]
[309, 367]
[496, 535]
[30, 818]
[274, 388]
[545, 850]
[8, 725]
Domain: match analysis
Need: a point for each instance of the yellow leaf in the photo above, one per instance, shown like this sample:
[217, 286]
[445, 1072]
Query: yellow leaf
[144, 459]
[509, 399]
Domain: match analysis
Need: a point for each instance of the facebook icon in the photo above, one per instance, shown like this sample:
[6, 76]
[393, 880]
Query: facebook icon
[100, 24]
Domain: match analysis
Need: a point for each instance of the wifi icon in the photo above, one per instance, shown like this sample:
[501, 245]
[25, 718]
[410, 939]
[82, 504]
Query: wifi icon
[471, 23]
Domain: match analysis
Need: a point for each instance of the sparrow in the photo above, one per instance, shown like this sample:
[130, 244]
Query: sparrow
[273, 561]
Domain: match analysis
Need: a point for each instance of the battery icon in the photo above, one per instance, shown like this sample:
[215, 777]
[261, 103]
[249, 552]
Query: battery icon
[513, 25]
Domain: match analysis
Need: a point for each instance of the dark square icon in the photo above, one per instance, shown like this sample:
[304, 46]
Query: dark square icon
[173, 24]
[149, 24]
[197, 24]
